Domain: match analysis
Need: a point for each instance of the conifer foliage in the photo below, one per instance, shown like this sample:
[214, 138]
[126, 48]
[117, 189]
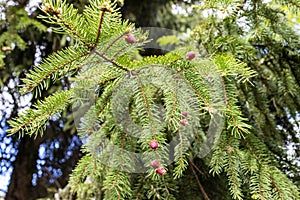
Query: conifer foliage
[10, 37]
[143, 122]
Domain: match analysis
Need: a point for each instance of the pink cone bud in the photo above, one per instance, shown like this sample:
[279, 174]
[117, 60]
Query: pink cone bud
[185, 113]
[161, 171]
[153, 144]
[130, 38]
[184, 122]
[155, 164]
[6, 49]
[190, 55]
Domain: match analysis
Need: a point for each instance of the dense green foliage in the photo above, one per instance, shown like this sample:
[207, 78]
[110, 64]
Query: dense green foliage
[122, 104]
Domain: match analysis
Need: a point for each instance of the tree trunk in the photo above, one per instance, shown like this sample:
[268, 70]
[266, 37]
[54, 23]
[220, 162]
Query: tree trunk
[24, 166]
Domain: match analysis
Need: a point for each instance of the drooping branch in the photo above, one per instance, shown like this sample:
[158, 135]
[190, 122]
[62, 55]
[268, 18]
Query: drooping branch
[204, 194]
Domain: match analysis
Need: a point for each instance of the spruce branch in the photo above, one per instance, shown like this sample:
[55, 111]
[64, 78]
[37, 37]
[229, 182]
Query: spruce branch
[120, 51]
[72, 30]
[57, 64]
[91, 118]
[264, 182]
[111, 61]
[67, 18]
[145, 103]
[139, 189]
[33, 120]
[236, 122]
[181, 161]
[193, 81]
[117, 185]
[235, 181]
[173, 108]
[82, 171]
[218, 160]
[103, 9]
[204, 194]
[86, 170]
[278, 191]
[115, 41]
[195, 166]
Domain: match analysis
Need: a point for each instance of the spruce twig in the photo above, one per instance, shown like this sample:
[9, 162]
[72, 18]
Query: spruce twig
[204, 194]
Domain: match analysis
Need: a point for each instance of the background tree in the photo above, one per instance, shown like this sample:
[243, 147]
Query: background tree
[258, 34]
